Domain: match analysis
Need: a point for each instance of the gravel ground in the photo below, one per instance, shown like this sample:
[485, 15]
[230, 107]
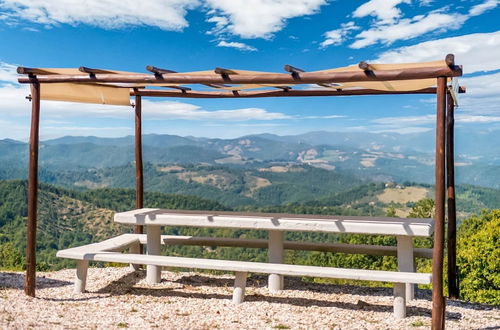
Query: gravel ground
[120, 298]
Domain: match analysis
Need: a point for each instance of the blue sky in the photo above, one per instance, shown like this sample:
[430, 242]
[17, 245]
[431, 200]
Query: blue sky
[190, 35]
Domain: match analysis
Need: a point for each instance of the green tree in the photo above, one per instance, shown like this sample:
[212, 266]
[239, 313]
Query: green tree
[424, 208]
[478, 258]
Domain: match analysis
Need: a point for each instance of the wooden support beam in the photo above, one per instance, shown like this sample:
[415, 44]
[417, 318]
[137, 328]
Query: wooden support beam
[438, 300]
[284, 88]
[274, 78]
[450, 60]
[159, 72]
[273, 93]
[30, 279]
[25, 70]
[224, 72]
[92, 71]
[181, 88]
[364, 66]
[294, 71]
[453, 284]
[139, 173]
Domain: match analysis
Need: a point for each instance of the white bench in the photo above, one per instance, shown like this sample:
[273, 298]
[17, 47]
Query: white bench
[109, 251]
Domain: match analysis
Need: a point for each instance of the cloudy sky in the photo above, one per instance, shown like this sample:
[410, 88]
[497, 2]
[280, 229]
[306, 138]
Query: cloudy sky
[189, 35]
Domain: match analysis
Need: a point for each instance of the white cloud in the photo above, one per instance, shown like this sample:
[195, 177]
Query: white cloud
[405, 120]
[168, 15]
[257, 18]
[244, 18]
[337, 37]
[384, 10]
[14, 103]
[323, 117]
[13, 130]
[476, 119]
[476, 52]
[237, 45]
[483, 7]
[401, 130]
[178, 110]
[408, 28]
[390, 23]
[8, 73]
[483, 95]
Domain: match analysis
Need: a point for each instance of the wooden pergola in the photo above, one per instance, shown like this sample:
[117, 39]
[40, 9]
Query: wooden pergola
[88, 85]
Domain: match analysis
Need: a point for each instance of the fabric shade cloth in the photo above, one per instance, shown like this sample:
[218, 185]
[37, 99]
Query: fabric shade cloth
[119, 94]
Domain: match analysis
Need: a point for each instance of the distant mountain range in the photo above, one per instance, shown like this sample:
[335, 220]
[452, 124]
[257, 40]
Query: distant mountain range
[368, 156]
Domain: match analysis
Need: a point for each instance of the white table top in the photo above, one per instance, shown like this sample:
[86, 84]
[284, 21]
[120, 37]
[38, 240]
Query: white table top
[278, 221]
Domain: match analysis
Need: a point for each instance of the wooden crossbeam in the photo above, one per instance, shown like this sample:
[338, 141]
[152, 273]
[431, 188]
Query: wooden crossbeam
[92, 71]
[182, 88]
[296, 74]
[277, 93]
[159, 72]
[25, 70]
[222, 71]
[293, 70]
[450, 60]
[364, 66]
[275, 78]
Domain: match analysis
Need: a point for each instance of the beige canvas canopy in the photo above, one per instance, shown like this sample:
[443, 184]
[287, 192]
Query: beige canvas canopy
[115, 88]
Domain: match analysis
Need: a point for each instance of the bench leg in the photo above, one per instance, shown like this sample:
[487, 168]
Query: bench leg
[275, 255]
[399, 300]
[81, 275]
[240, 282]
[406, 262]
[153, 272]
[135, 249]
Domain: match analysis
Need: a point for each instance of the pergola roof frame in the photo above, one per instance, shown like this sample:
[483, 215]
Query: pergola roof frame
[269, 78]
[366, 72]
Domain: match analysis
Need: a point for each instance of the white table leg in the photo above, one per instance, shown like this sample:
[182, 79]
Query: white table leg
[135, 249]
[406, 262]
[153, 273]
[275, 255]
[81, 275]
[399, 300]
[240, 282]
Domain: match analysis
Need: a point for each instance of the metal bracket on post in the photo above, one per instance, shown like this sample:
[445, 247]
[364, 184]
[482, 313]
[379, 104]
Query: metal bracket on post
[454, 90]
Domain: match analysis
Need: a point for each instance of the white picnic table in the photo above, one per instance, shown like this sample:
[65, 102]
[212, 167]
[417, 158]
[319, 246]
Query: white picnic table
[276, 224]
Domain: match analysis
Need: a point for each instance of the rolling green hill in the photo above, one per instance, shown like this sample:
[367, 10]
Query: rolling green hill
[367, 156]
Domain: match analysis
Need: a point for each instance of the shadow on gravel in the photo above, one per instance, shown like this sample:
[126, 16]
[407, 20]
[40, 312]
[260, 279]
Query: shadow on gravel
[16, 281]
[295, 283]
[191, 284]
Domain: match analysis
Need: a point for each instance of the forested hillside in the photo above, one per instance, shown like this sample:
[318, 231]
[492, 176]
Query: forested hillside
[69, 218]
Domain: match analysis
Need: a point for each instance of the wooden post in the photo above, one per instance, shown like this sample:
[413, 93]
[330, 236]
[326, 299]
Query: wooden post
[438, 301]
[139, 174]
[30, 280]
[453, 287]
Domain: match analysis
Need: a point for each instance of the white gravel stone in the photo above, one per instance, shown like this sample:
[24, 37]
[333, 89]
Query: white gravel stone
[119, 298]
